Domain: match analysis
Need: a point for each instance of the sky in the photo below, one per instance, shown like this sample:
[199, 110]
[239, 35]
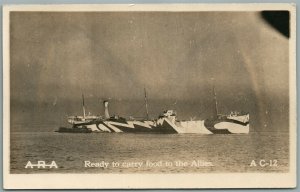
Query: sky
[55, 57]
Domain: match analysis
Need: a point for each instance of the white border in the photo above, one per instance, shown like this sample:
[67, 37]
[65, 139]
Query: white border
[151, 7]
[130, 181]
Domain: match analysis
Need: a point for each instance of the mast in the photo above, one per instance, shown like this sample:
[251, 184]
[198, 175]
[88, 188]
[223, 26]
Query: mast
[83, 107]
[215, 98]
[146, 103]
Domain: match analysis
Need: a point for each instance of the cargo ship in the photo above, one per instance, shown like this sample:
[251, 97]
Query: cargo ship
[167, 123]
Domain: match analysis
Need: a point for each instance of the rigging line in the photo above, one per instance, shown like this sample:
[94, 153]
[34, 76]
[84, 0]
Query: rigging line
[138, 111]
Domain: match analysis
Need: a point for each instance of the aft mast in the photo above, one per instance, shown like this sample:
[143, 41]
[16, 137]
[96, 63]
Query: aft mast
[215, 98]
[146, 104]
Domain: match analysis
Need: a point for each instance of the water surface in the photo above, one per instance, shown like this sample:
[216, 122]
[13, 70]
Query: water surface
[220, 153]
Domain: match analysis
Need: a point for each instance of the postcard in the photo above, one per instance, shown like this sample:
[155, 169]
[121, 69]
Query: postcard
[149, 96]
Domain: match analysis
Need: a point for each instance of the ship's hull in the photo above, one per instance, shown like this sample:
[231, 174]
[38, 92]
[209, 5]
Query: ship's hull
[74, 130]
[167, 126]
[227, 126]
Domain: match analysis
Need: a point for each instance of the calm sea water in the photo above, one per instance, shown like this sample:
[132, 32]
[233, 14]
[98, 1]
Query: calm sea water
[216, 153]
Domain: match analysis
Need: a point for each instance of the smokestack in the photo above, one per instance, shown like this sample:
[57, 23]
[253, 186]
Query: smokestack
[106, 113]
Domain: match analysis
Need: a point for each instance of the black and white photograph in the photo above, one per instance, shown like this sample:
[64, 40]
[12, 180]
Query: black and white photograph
[151, 92]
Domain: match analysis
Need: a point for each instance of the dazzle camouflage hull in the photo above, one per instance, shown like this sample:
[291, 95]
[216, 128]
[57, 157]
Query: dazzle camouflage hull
[168, 125]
